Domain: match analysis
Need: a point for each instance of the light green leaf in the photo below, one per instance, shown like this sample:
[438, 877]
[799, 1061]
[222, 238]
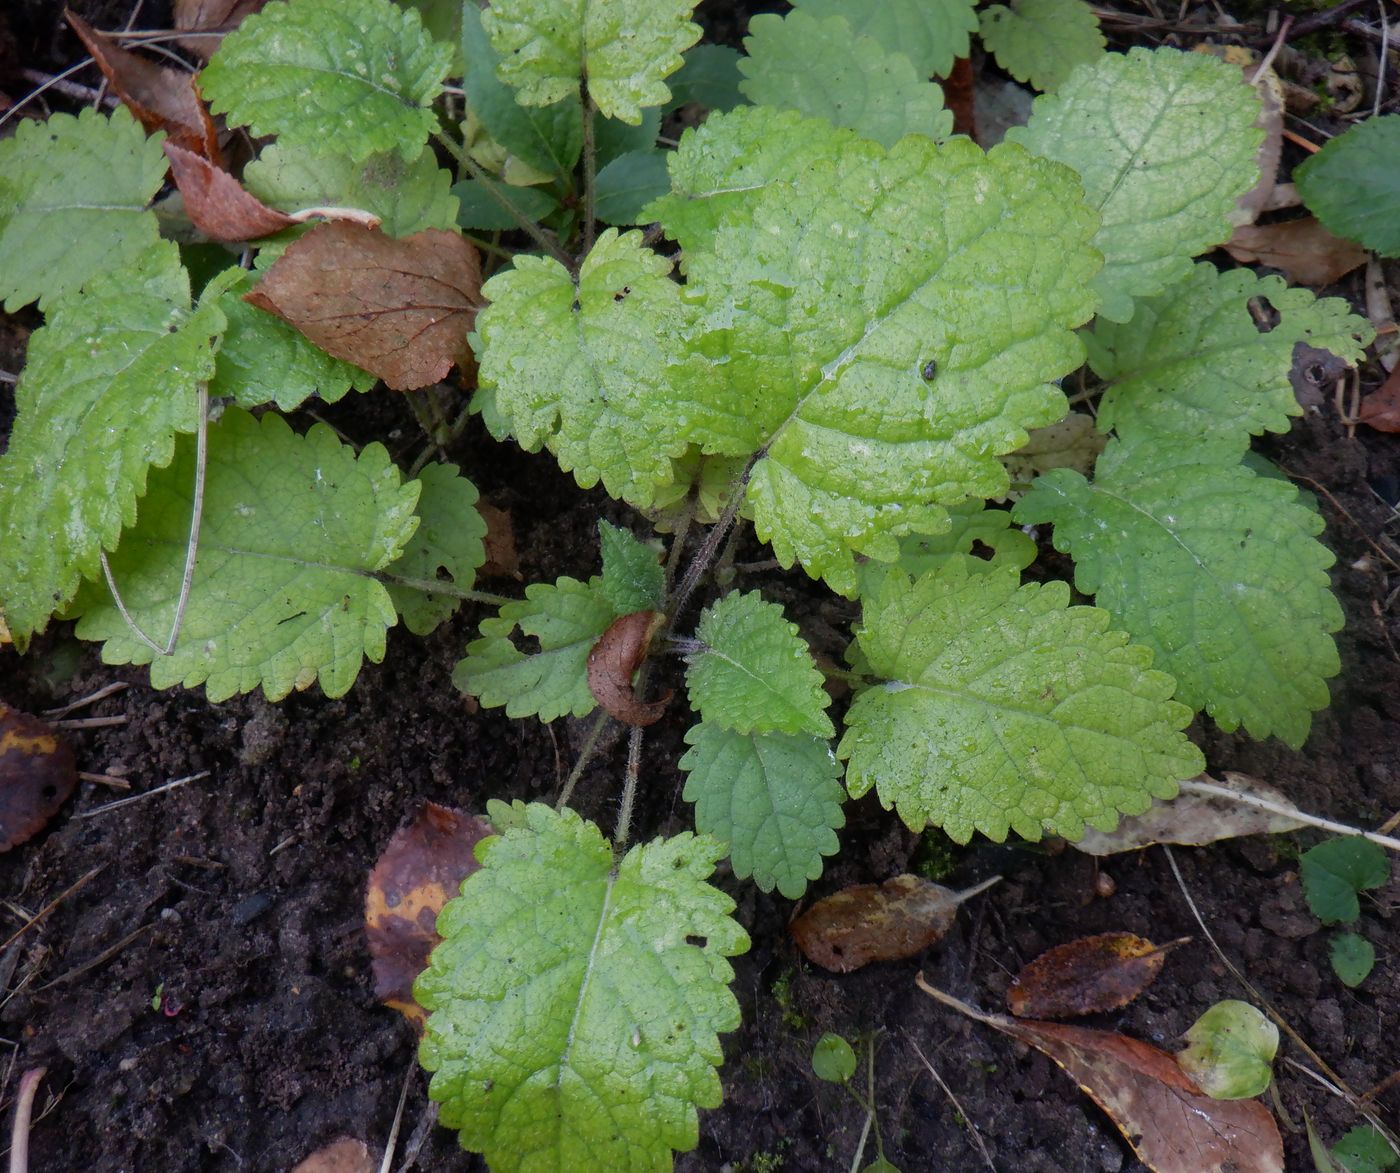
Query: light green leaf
[573, 1023]
[108, 382]
[832, 1059]
[549, 138]
[1192, 365]
[406, 196]
[1165, 143]
[263, 359]
[1230, 1051]
[449, 540]
[1005, 709]
[632, 577]
[480, 209]
[361, 74]
[754, 672]
[1216, 569]
[1041, 41]
[972, 524]
[820, 67]
[931, 33]
[1336, 871]
[629, 183]
[1353, 184]
[775, 798]
[546, 46]
[1353, 957]
[1364, 1150]
[709, 77]
[293, 528]
[73, 196]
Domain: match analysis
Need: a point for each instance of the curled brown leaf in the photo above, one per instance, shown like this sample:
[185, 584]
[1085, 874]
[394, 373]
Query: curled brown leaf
[216, 202]
[207, 21]
[618, 653]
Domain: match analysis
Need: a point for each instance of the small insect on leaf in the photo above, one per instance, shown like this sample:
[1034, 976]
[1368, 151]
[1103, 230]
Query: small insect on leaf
[37, 774]
[1088, 976]
[614, 658]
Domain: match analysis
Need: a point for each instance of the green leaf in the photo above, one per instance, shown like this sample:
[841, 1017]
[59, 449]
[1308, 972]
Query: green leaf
[1353, 184]
[820, 67]
[449, 541]
[1165, 143]
[931, 33]
[1336, 871]
[55, 235]
[263, 359]
[1192, 365]
[443, 21]
[479, 209]
[361, 74]
[293, 527]
[832, 1059]
[549, 138]
[629, 183]
[1353, 957]
[1364, 1150]
[1216, 569]
[971, 524]
[1006, 709]
[108, 382]
[774, 798]
[573, 1023]
[1041, 41]
[632, 577]
[613, 138]
[406, 196]
[709, 78]
[545, 46]
[754, 672]
[1230, 1051]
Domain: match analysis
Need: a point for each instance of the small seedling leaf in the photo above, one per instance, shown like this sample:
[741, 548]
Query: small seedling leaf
[1230, 1051]
[833, 1060]
[1089, 976]
[614, 659]
[755, 673]
[449, 544]
[37, 774]
[632, 576]
[620, 969]
[932, 33]
[1364, 1150]
[1004, 708]
[1041, 41]
[774, 798]
[1336, 871]
[216, 202]
[361, 74]
[1353, 957]
[1353, 184]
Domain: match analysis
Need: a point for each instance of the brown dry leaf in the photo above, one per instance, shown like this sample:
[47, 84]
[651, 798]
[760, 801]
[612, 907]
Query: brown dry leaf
[1074, 443]
[37, 774]
[208, 16]
[398, 308]
[1089, 976]
[877, 922]
[421, 870]
[1381, 408]
[1302, 250]
[161, 98]
[216, 201]
[1271, 107]
[1172, 1126]
[618, 653]
[345, 1155]
[502, 558]
[1192, 819]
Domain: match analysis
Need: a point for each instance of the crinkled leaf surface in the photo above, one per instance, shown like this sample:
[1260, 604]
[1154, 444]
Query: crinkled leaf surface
[754, 672]
[625, 49]
[109, 380]
[293, 527]
[973, 526]
[1041, 41]
[822, 68]
[1005, 709]
[1192, 365]
[932, 33]
[73, 196]
[361, 74]
[406, 196]
[775, 798]
[573, 1024]
[632, 576]
[1165, 143]
[1353, 184]
[448, 544]
[1215, 568]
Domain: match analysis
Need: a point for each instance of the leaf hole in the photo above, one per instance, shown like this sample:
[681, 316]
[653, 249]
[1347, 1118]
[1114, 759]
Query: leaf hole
[981, 550]
[695, 939]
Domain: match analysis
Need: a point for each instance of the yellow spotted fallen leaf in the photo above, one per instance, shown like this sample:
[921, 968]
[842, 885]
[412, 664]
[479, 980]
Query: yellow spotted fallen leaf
[37, 774]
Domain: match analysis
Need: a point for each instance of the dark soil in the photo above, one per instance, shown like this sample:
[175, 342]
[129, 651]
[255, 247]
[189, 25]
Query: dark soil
[238, 896]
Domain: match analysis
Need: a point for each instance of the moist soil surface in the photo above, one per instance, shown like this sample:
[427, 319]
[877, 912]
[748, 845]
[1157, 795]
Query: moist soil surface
[204, 1000]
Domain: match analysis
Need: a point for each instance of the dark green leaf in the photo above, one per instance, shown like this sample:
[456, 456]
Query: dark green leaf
[1353, 958]
[1335, 871]
[478, 208]
[1364, 1150]
[709, 77]
[1353, 184]
[832, 1059]
[630, 182]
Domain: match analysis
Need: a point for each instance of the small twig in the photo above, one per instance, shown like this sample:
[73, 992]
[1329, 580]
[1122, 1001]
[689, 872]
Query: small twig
[59, 82]
[1277, 808]
[1384, 57]
[24, 1111]
[961, 1111]
[585, 755]
[91, 699]
[50, 906]
[7, 377]
[90, 722]
[1268, 58]
[111, 806]
[101, 959]
[105, 780]
[393, 1142]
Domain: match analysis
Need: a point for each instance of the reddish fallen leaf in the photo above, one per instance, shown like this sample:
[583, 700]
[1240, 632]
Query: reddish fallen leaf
[1302, 250]
[399, 308]
[1381, 408]
[1172, 1126]
[345, 1155]
[1088, 976]
[421, 870]
[37, 774]
[216, 201]
[161, 98]
[877, 922]
[502, 558]
[207, 17]
[618, 653]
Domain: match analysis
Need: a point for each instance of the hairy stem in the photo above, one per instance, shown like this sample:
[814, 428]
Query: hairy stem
[497, 191]
[590, 169]
[629, 784]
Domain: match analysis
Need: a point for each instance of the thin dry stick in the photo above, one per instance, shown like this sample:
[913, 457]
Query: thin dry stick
[90, 722]
[393, 1142]
[105, 780]
[1385, 54]
[111, 806]
[947, 1091]
[91, 699]
[101, 959]
[24, 1111]
[59, 82]
[585, 755]
[49, 907]
[1273, 52]
[1277, 808]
